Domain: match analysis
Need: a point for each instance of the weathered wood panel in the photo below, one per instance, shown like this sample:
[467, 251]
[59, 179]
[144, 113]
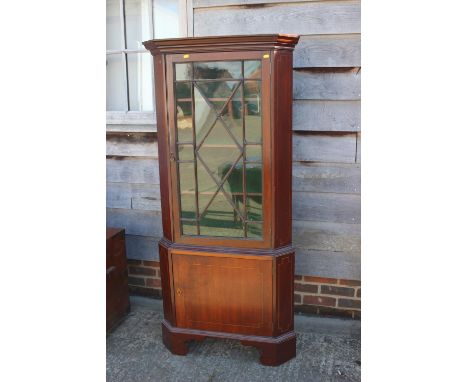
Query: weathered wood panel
[135, 222]
[327, 84]
[340, 265]
[132, 170]
[326, 207]
[327, 177]
[224, 3]
[300, 18]
[131, 144]
[133, 196]
[326, 115]
[328, 51]
[326, 236]
[142, 247]
[358, 148]
[324, 148]
[125, 128]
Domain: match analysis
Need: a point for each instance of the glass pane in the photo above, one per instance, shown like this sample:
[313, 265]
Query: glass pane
[254, 230]
[206, 187]
[166, 18]
[232, 116]
[253, 175]
[252, 69]
[252, 111]
[116, 88]
[113, 36]
[187, 190]
[221, 219]
[184, 112]
[137, 22]
[254, 207]
[140, 86]
[205, 116]
[189, 227]
[217, 69]
[218, 92]
[183, 71]
[185, 152]
[218, 160]
[253, 153]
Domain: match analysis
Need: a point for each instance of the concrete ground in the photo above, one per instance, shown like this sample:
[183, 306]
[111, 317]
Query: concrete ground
[328, 349]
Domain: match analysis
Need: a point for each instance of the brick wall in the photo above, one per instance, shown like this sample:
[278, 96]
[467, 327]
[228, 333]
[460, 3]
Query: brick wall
[314, 295]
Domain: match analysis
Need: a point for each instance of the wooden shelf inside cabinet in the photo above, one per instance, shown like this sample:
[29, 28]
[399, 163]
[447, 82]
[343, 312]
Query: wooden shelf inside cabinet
[224, 111]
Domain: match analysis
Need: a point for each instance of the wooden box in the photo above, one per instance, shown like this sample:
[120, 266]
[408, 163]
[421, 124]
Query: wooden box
[117, 294]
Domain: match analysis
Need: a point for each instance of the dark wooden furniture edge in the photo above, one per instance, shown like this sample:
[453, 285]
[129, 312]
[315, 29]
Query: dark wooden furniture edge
[280, 251]
[274, 350]
[222, 43]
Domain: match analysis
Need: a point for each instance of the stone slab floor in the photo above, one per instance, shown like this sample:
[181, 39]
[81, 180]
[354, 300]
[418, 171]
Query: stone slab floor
[328, 349]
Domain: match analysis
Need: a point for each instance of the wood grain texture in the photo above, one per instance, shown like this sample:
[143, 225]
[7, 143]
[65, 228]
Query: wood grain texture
[327, 85]
[133, 196]
[358, 148]
[135, 222]
[132, 170]
[327, 207]
[131, 118]
[142, 247]
[326, 115]
[327, 177]
[131, 144]
[298, 18]
[343, 50]
[340, 265]
[324, 148]
[326, 236]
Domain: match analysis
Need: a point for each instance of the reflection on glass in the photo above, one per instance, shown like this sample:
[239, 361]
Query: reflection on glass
[116, 87]
[253, 153]
[253, 175]
[137, 22]
[140, 82]
[254, 230]
[228, 170]
[187, 190]
[252, 69]
[252, 112]
[185, 152]
[183, 71]
[166, 18]
[205, 116]
[220, 219]
[217, 69]
[189, 227]
[184, 112]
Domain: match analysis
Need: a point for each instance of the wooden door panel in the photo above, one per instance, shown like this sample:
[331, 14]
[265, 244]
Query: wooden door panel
[223, 293]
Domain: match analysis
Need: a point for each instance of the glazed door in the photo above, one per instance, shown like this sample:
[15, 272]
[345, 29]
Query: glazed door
[227, 294]
[220, 157]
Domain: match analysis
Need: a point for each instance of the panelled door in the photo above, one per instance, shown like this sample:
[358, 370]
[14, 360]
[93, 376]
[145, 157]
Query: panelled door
[227, 294]
[220, 140]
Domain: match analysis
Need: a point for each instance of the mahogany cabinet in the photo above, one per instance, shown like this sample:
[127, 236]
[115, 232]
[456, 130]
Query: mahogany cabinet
[224, 107]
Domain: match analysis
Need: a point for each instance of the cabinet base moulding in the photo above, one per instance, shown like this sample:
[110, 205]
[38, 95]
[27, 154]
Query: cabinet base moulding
[274, 350]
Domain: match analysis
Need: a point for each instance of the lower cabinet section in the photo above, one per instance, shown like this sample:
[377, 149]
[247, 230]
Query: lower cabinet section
[223, 294]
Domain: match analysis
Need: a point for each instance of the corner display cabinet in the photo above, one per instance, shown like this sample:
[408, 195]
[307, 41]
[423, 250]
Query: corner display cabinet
[223, 107]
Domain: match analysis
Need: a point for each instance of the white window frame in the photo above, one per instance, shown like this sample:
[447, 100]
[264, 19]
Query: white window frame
[143, 120]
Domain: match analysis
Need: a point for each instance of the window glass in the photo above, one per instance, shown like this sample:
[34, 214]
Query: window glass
[140, 81]
[113, 38]
[137, 22]
[116, 88]
[166, 18]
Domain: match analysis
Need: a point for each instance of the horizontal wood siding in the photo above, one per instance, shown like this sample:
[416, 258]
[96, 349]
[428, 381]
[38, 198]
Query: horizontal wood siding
[326, 138]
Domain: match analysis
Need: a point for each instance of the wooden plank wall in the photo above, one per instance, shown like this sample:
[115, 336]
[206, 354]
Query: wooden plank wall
[326, 124]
